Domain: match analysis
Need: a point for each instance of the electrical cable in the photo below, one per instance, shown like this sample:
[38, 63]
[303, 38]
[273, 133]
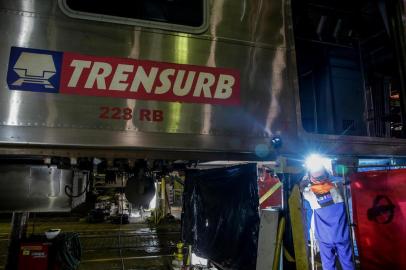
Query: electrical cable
[70, 188]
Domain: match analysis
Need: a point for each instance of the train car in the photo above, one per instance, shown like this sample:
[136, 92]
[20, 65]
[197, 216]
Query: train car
[227, 80]
[177, 106]
[87, 79]
[208, 80]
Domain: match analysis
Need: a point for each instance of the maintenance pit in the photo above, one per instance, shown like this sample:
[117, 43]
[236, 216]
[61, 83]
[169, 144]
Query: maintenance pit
[114, 233]
[159, 229]
[127, 214]
[109, 246]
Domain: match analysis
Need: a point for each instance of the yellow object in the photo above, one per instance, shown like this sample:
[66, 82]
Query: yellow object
[279, 239]
[160, 210]
[179, 254]
[179, 257]
[179, 246]
[288, 256]
[299, 242]
[189, 257]
[163, 186]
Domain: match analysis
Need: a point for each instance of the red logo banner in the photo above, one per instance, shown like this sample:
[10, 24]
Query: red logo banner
[148, 80]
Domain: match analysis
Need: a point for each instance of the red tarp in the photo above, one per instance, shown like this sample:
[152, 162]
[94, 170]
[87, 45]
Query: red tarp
[379, 209]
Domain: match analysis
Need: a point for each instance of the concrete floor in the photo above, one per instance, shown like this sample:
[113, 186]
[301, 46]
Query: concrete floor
[109, 246]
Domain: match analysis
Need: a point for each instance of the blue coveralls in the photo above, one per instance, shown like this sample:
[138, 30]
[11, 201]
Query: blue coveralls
[332, 233]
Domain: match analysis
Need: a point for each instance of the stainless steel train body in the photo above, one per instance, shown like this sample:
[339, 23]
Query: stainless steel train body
[254, 37]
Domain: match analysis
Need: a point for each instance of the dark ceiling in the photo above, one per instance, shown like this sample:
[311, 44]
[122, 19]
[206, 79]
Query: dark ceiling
[339, 21]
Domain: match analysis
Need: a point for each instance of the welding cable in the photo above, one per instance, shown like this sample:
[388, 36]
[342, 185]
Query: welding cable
[68, 250]
[70, 189]
[69, 194]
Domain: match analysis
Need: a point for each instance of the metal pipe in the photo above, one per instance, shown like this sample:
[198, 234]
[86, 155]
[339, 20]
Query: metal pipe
[320, 26]
[132, 248]
[376, 35]
[315, 112]
[283, 193]
[312, 244]
[331, 95]
[139, 235]
[335, 9]
[126, 259]
[325, 43]
[337, 28]
[163, 198]
[377, 166]
[364, 86]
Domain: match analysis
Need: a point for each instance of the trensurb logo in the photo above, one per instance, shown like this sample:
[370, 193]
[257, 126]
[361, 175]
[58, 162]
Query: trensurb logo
[34, 70]
[76, 74]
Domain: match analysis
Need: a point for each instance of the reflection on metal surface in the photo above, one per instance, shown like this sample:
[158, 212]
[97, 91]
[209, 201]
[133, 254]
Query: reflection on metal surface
[134, 54]
[215, 19]
[278, 67]
[244, 7]
[253, 37]
[181, 57]
[24, 36]
[174, 117]
[34, 188]
[198, 126]
[14, 109]
[26, 27]
[181, 50]
[135, 47]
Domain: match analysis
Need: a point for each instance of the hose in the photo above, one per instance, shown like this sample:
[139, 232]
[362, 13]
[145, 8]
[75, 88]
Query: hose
[70, 188]
[68, 251]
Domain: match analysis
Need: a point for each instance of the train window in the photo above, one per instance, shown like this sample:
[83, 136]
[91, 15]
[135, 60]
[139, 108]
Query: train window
[350, 80]
[178, 15]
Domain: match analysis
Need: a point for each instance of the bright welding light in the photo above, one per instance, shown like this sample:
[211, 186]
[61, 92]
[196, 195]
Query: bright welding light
[316, 163]
[198, 260]
[152, 203]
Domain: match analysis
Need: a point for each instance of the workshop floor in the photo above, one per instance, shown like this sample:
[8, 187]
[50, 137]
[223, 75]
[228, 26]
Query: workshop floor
[108, 246]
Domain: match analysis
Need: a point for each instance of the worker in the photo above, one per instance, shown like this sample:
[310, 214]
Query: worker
[330, 219]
